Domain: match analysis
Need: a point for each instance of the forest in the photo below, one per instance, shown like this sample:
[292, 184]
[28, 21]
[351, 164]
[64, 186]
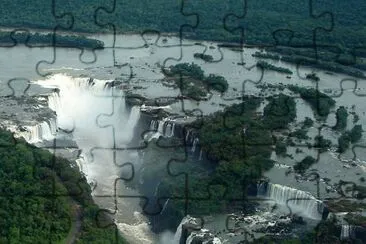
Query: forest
[237, 144]
[336, 26]
[43, 198]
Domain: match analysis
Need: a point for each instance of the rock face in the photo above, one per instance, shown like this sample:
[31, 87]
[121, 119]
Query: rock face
[190, 231]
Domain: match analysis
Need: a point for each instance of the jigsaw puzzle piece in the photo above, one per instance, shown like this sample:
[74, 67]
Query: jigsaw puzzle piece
[19, 87]
[69, 19]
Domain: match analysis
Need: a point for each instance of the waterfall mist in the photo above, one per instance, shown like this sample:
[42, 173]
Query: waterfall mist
[98, 121]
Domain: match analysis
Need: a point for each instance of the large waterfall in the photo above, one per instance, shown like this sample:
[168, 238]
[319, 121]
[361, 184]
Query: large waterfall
[297, 201]
[98, 121]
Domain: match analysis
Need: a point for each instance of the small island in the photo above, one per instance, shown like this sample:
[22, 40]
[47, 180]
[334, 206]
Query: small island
[265, 65]
[192, 81]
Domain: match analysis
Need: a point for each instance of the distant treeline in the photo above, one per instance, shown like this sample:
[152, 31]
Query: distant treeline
[275, 23]
[9, 39]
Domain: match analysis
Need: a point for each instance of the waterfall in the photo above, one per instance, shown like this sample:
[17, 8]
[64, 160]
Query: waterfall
[132, 121]
[172, 130]
[163, 128]
[165, 205]
[187, 136]
[195, 142]
[97, 119]
[168, 129]
[200, 157]
[80, 161]
[347, 231]
[262, 189]
[153, 125]
[40, 132]
[298, 201]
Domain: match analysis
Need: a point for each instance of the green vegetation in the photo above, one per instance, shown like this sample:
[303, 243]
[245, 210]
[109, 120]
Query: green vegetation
[266, 56]
[306, 57]
[343, 142]
[341, 116]
[322, 144]
[192, 81]
[345, 205]
[348, 137]
[237, 143]
[269, 66]
[320, 102]
[300, 134]
[308, 122]
[43, 197]
[280, 111]
[217, 83]
[355, 219]
[36, 39]
[312, 76]
[280, 148]
[303, 165]
[205, 57]
[266, 17]
[356, 117]
[269, 24]
[356, 133]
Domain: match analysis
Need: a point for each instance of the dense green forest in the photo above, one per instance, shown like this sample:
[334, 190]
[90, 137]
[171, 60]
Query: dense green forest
[237, 143]
[261, 19]
[44, 199]
[273, 23]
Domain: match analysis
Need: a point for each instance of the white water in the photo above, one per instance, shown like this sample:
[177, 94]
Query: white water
[178, 233]
[41, 132]
[299, 202]
[195, 142]
[346, 232]
[163, 128]
[99, 122]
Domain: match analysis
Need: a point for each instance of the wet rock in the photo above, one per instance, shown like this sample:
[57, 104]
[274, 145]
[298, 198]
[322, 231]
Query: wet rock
[297, 220]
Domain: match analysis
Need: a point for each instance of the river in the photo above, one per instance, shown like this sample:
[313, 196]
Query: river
[138, 60]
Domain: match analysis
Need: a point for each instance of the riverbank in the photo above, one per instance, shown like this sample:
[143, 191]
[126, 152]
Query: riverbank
[302, 56]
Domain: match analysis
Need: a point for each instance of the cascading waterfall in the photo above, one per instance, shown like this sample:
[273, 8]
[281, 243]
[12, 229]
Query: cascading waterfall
[262, 189]
[131, 123]
[188, 136]
[163, 128]
[297, 201]
[195, 142]
[40, 132]
[347, 231]
[98, 120]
